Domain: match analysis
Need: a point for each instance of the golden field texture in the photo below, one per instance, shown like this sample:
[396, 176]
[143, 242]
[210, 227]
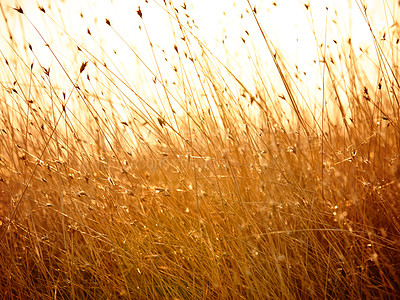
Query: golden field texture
[194, 181]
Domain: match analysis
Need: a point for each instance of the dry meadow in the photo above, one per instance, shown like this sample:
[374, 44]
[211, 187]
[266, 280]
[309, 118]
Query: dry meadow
[189, 177]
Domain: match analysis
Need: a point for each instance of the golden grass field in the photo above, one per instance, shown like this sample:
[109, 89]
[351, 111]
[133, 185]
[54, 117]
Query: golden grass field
[196, 182]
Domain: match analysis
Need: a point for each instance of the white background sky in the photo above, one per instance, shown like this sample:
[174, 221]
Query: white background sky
[287, 23]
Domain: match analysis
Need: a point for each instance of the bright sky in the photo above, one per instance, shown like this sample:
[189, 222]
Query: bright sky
[288, 23]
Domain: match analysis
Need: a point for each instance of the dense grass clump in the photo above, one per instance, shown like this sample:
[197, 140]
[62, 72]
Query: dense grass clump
[187, 178]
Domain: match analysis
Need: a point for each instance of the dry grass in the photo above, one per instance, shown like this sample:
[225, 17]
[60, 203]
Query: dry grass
[221, 189]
